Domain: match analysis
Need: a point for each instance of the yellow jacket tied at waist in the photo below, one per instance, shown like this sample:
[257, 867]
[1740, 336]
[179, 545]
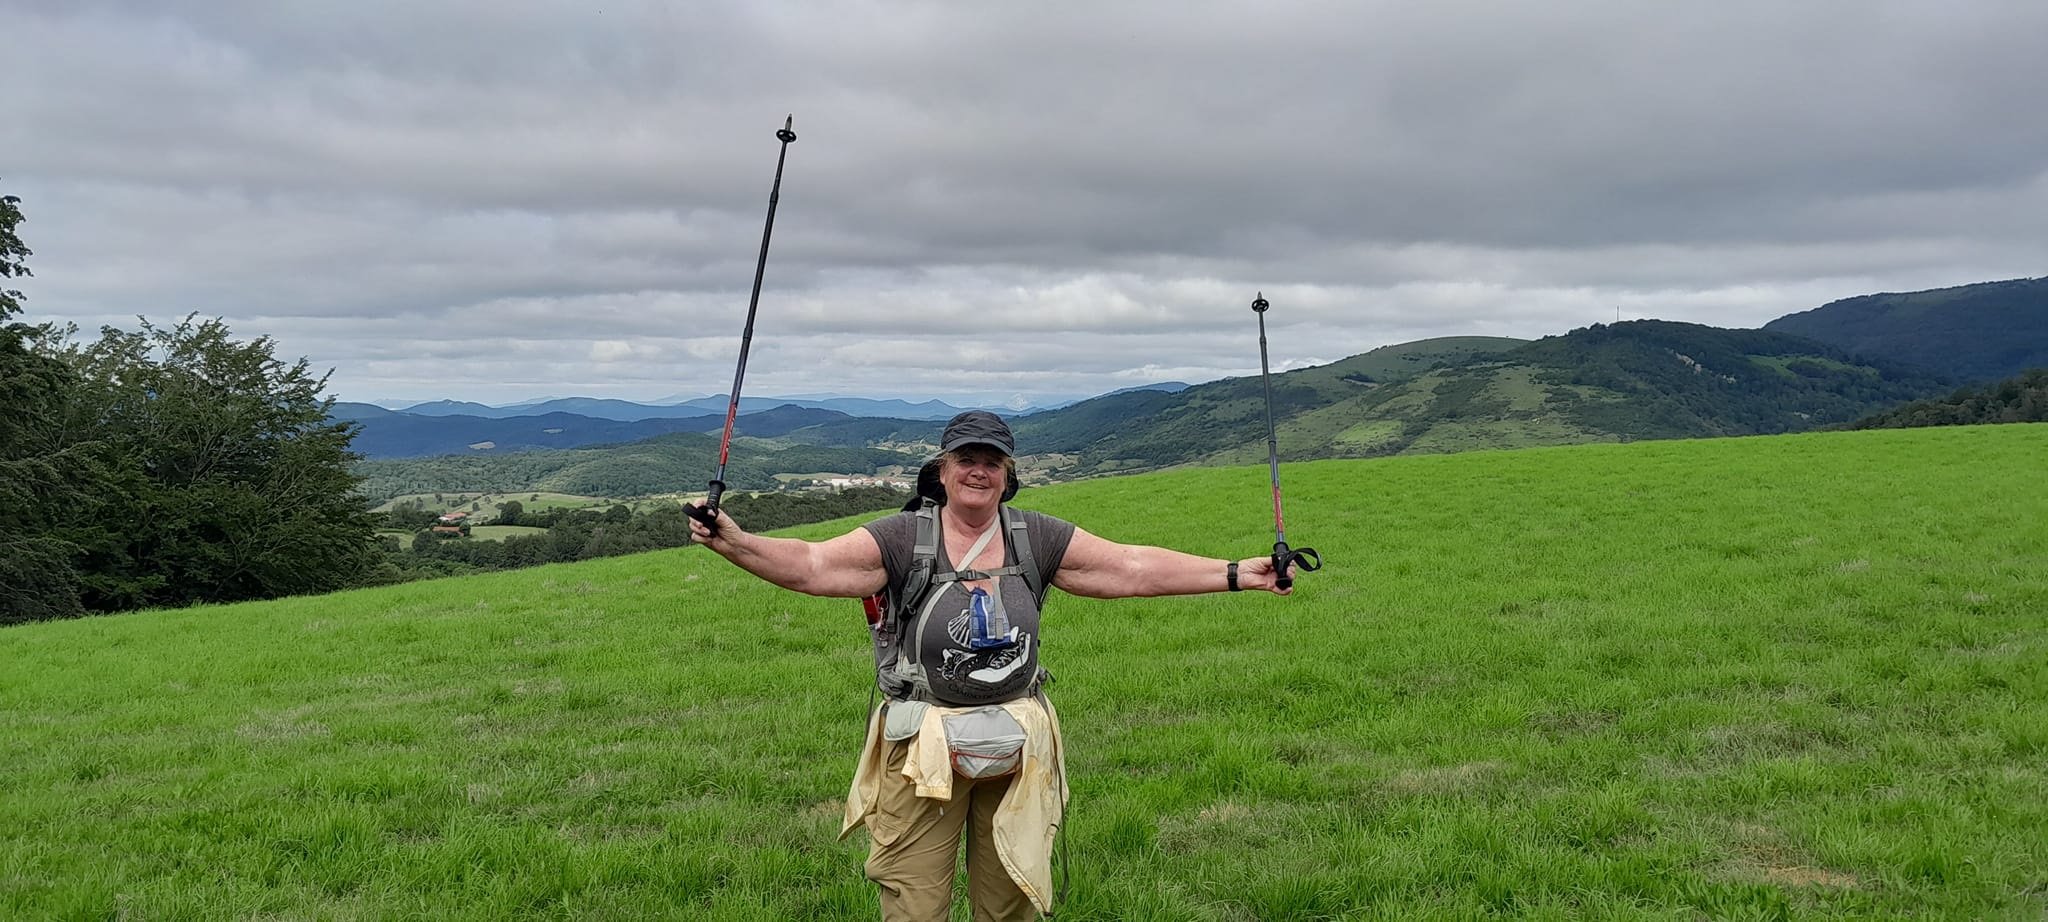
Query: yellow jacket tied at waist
[1031, 810]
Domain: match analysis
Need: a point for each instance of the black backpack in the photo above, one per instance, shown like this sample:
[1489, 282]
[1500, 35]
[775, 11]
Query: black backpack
[893, 616]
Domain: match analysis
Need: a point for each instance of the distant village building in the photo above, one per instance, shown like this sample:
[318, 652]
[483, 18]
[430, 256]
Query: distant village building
[452, 523]
[841, 483]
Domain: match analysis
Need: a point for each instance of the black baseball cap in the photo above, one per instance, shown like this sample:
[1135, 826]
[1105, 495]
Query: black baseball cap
[978, 427]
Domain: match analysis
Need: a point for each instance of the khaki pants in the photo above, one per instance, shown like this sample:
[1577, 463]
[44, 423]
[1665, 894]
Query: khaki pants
[916, 847]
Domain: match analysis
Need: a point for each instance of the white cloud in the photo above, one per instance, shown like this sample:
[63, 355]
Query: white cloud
[496, 201]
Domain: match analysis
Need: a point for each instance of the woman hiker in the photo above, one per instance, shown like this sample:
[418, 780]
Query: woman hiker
[966, 741]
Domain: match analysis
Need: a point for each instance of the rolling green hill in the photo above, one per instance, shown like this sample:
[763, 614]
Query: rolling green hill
[1789, 677]
[1972, 333]
[1637, 380]
[1403, 361]
[1145, 430]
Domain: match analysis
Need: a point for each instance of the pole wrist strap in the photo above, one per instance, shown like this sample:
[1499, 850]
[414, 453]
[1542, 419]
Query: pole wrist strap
[1230, 574]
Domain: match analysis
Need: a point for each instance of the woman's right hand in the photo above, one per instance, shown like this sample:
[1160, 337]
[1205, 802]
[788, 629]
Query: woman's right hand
[715, 538]
[848, 567]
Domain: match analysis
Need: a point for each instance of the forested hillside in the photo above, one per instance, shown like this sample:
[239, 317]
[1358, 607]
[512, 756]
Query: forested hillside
[1970, 333]
[2018, 399]
[1679, 380]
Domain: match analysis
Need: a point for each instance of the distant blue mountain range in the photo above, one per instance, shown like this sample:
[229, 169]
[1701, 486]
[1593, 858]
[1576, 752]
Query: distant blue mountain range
[443, 427]
[383, 433]
[593, 407]
[627, 410]
[386, 433]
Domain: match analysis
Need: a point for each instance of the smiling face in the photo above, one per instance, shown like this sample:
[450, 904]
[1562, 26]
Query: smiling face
[975, 476]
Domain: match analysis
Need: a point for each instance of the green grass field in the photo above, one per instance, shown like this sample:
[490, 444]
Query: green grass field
[1767, 678]
[501, 532]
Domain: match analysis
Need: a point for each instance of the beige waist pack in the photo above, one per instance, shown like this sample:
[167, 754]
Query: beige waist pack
[985, 742]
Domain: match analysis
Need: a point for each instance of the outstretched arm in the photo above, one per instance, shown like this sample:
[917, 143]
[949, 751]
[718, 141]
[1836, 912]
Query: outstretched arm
[1101, 569]
[846, 567]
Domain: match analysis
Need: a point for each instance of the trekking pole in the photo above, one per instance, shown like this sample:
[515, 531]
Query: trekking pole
[1283, 556]
[708, 513]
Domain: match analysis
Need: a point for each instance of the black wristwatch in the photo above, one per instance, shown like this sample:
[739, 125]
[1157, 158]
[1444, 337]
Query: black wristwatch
[1230, 573]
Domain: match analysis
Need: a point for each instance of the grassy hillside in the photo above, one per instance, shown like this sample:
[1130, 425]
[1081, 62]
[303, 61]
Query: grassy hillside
[1763, 678]
[1146, 430]
[1972, 333]
[1403, 361]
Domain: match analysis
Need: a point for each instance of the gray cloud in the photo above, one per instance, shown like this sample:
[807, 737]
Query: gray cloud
[496, 201]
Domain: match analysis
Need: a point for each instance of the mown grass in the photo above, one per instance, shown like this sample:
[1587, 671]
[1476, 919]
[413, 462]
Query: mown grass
[1788, 677]
[501, 532]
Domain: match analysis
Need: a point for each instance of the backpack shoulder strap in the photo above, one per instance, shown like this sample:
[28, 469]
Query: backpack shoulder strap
[924, 556]
[1020, 544]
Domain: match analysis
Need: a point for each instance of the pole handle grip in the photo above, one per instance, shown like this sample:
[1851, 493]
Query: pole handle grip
[1285, 558]
[707, 512]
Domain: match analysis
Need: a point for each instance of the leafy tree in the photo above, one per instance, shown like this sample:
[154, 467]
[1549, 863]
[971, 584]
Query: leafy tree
[46, 477]
[48, 485]
[509, 512]
[13, 254]
[228, 480]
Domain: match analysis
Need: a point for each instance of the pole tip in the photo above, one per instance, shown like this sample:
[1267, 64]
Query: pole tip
[787, 134]
[1259, 304]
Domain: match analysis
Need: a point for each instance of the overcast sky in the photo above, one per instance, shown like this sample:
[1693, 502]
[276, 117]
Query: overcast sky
[498, 201]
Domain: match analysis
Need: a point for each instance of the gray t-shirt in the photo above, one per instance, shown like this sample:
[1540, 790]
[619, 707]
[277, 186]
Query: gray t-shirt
[936, 636]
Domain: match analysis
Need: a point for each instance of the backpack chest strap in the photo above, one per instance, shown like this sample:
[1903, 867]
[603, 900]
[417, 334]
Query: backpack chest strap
[1026, 565]
[1011, 570]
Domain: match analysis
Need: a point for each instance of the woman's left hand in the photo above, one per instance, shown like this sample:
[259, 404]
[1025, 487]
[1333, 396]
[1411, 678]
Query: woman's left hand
[1258, 573]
